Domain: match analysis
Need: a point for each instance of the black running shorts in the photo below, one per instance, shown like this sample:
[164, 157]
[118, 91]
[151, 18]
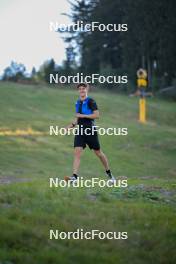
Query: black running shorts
[89, 140]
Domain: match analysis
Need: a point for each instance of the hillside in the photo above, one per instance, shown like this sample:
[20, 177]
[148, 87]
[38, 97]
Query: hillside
[29, 208]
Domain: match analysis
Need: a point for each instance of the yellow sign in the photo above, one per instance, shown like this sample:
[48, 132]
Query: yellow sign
[142, 74]
[141, 83]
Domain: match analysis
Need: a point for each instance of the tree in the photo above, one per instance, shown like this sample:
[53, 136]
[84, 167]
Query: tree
[47, 68]
[14, 72]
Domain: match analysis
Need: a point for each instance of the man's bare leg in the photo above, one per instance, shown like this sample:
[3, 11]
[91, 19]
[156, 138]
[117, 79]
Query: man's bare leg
[104, 161]
[76, 164]
[77, 156]
[102, 158]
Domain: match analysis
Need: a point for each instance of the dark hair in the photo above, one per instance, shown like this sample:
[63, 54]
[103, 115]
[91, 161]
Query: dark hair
[82, 84]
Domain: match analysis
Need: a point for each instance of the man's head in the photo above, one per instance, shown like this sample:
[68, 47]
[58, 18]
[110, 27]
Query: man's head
[83, 89]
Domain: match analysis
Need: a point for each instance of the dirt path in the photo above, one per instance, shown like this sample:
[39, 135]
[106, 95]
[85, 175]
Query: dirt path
[10, 179]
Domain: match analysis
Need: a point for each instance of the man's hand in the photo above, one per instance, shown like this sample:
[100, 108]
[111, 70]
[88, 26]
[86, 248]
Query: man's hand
[92, 116]
[72, 125]
[80, 115]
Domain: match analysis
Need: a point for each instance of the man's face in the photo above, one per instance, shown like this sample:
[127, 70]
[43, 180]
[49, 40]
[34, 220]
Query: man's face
[82, 91]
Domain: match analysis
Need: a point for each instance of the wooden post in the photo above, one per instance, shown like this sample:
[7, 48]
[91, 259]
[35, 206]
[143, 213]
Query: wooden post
[142, 110]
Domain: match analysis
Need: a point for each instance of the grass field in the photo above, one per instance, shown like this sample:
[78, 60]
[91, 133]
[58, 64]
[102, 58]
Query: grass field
[29, 208]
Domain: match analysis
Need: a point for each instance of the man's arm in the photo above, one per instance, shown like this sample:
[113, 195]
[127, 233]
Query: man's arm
[95, 115]
[73, 124]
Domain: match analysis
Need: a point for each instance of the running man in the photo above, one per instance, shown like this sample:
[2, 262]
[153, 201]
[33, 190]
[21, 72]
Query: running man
[86, 112]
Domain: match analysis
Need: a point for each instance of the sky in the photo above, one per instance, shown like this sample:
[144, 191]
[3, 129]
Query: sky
[25, 35]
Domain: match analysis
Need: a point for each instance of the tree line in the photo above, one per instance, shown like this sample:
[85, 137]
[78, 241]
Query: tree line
[16, 72]
[150, 41]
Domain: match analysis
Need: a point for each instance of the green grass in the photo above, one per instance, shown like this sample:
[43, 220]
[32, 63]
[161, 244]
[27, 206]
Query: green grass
[29, 208]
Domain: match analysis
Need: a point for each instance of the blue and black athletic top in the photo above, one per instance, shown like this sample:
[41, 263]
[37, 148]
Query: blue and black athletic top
[86, 107]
